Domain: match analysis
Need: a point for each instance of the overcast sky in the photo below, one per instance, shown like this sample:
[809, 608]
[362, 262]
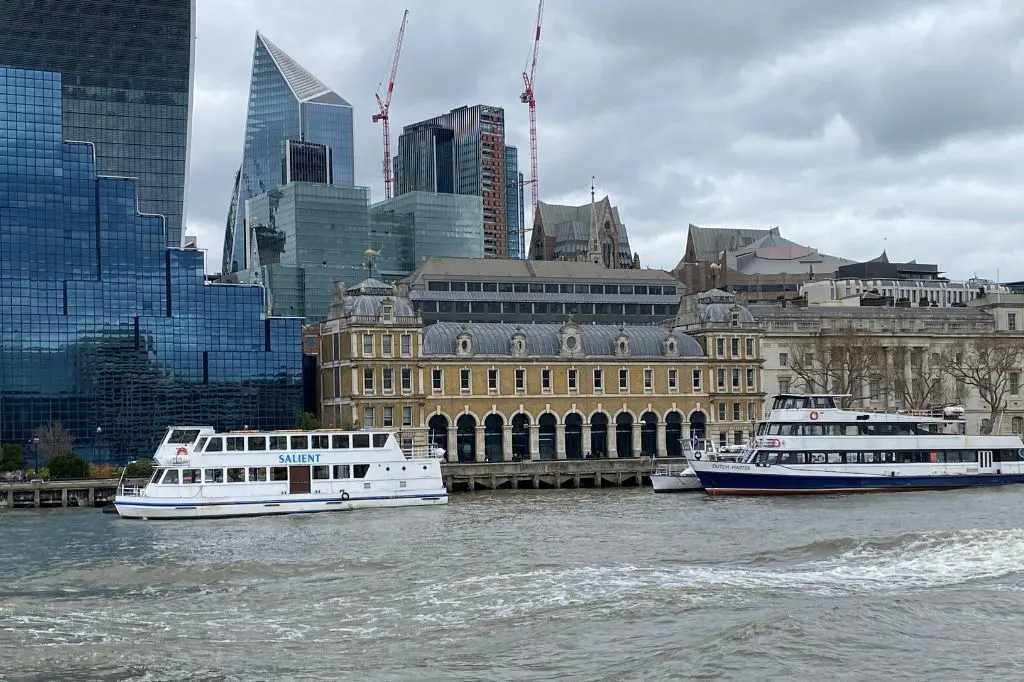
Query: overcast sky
[853, 126]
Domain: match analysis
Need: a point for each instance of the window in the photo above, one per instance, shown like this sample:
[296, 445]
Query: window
[234, 443]
[215, 445]
[735, 347]
[737, 415]
[751, 412]
[721, 379]
[279, 442]
[720, 347]
[623, 380]
[360, 470]
[236, 475]
[783, 359]
[337, 382]
[278, 473]
[1017, 425]
[213, 476]
[387, 380]
[368, 380]
[388, 418]
[723, 439]
[1014, 383]
[465, 382]
[300, 442]
[1011, 322]
[696, 381]
[367, 345]
[750, 378]
[598, 381]
[750, 347]
[387, 345]
[874, 389]
[437, 380]
[368, 418]
[492, 380]
[520, 380]
[721, 412]
[648, 379]
[407, 415]
[339, 441]
[341, 471]
[545, 380]
[171, 477]
[321, 472]
[257, 443]
[320, 442]
[735, 379]
[257, 474]
[573, 379]
[784, 384]
[406, 379]
[673, 380]
[406, 348]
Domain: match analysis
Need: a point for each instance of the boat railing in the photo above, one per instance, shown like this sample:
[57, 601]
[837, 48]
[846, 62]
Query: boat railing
[671, 469]
[130, 490]
[423, 452]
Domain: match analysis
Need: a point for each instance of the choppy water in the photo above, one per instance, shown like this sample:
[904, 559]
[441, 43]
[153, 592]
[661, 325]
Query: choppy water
[543, 585]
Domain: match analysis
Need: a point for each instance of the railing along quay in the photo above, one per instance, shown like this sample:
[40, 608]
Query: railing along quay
[549, 473]
[98, 492]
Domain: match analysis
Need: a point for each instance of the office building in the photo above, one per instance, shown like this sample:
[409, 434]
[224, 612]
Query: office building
[286, 104]
[468, 145]
[515, 213]
[126, 70]
[106, 330]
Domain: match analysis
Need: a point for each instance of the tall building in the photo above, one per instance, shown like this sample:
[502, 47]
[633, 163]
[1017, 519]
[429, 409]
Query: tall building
[286, 104]
[515, 234]
[470, 141]
[126, 70]
[105, 329]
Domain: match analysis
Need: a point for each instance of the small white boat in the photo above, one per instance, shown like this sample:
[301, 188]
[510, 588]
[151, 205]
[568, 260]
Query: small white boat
[204, 474]
[679, 476]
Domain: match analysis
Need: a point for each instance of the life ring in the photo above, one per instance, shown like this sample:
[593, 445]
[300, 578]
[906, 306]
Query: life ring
[774, 443]
[814, 415]
[696, 455]
[182, 452]
[344, 495]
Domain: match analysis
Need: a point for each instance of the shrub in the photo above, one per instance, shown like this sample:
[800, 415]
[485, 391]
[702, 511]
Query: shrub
[68, 466]
[140, 468]
[11, 458]
[103, 471]
[307, 421]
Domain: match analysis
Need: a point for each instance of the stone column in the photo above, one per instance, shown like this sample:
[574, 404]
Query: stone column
[506, 442]
[559, 441]
[480, 455]
[586, 439]
[661, 443]
[534, 452]
[453, 444]
[636, 439]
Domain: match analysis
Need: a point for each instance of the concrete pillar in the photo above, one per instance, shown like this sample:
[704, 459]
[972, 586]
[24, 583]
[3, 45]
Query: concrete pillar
[92, 497]
[586, 439]
[453, 444]
[636, 440]
[506, 442]
[534, 441]
[662, 448]
[36, 498]
[64, 497]
[559, 441]
[480, 455]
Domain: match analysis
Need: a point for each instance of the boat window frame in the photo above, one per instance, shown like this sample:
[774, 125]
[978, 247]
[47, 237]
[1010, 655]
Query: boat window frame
[303, 440]
[361, 440]
[340, 441]
[215, 444]
[261, 475]
[277, 443]
[343, 469]
[165, 480]
[256, 443]
[276, 471]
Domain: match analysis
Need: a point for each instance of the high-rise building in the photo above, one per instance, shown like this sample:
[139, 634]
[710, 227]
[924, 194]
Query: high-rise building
[126, 70]
[515, 235]
[105, 329]
[470, 141]
[286, 103]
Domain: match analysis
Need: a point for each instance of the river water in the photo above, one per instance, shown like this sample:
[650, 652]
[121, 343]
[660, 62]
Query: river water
[527, 585]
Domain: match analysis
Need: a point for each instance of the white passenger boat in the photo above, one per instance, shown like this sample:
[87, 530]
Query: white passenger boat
[808, 445]
[678, 476]
[203, 474]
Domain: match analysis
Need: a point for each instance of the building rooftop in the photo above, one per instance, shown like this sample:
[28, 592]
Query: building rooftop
[706, 244]
[306, 86]
[487, 268]
[767, 312]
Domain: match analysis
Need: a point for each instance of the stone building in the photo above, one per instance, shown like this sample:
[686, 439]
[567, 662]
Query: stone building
[593, 233]
[497, 392]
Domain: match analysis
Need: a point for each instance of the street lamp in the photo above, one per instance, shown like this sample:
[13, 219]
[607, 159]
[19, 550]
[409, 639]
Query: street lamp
[35, 452]
[99, 440]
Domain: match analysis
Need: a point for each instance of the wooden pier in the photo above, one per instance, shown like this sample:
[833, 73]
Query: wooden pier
[43, 494]
[558, 473]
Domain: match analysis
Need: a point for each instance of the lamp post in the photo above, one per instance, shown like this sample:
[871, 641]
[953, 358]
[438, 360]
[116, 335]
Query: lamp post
[34, 442]
[99, 440]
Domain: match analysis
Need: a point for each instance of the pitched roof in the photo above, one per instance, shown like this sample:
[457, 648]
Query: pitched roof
[522, 270]
[306, 86]
[709, 242]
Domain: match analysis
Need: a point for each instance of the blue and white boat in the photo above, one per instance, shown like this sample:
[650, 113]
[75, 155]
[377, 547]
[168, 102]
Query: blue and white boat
[204, 474]
[808, 445]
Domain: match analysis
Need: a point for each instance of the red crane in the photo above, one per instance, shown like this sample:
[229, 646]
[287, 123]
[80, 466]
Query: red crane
[385, 108]
[529, 78]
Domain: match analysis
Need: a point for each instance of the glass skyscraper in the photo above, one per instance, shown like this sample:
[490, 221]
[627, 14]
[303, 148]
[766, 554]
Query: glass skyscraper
[515, 235]
[104, 328]
[286, 102]
[126, 70]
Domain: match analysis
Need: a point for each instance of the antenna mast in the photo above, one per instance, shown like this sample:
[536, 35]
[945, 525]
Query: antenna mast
[385, 108]
[529, 79]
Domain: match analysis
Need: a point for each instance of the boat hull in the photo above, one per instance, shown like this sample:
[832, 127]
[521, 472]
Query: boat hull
[740, 483]
[670, 483]
[153, 508]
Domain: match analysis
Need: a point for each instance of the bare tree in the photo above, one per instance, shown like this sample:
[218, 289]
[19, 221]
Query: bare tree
[915, 380]
[837, 362]
[52, 440]
[986, 364]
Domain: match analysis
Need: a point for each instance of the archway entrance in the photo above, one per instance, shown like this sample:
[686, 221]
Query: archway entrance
[574, 436]
[465, 438]
[673, 434]
[698, 426]
[494, 428]
[437, 435]
[599, 434]
[624, 435]
[546, 436]
[649, 434]
[521, 436]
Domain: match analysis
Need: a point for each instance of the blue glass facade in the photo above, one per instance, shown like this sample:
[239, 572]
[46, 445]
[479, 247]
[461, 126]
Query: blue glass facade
[101, 325]
[514, 233]
[127, 84]
[286, 102]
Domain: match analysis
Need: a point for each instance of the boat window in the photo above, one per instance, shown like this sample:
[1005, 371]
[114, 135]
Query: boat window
[320, 442]
[869, 458]
[257, 474]
[817, 458]
[968, 456]
[799, 458]
[791, 429]
[278, 473]
[360, 440]
[341, 471]
[773, 458]
[236, 475]
[171, 477]
[279, 442]
[339, 441]
[234, 443]
[379, 440]
[214, 445]
[835, 458]
[814, 429]
[774, 429]
[853, 458]
[785, 458]
[191, 476]
[300, 442]
[360, 470]
[156, 475]
[321, 472]
[213, 475]
[822, 402]
[200, 444]
[257, 443]
[183, 436]
[887, 457]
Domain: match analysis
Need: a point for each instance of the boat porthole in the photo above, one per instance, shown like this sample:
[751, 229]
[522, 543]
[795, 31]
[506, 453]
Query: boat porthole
[387, 468]
[403, 468]
[424, 467]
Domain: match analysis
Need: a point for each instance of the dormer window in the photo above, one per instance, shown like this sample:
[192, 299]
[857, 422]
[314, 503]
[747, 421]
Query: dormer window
[622, 344]
[571, 344]
[387, 312]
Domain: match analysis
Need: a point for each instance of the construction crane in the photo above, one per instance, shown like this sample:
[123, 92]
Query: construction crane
[385, 107]
[529, 79]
